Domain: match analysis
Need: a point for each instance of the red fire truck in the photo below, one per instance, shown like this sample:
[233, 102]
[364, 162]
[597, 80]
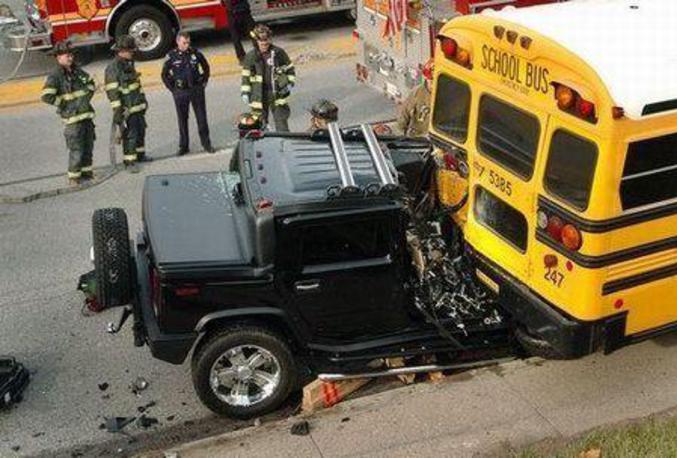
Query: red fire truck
[396, 37]
[151, 22]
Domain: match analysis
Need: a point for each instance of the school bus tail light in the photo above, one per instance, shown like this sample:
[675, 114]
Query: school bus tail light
[571, 101]
[571, 237]
[565, 233]
[453, 52]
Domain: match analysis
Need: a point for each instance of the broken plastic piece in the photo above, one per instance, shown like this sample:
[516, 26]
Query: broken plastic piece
[301, 428]
[117, 424]
[146, 422]
[13, 381]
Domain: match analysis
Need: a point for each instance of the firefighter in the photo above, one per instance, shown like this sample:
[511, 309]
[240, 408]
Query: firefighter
[267, 78]
[186, 74]
[415, 114]
[123, 87]
[240, 24]
[322, 113]
[70, 89]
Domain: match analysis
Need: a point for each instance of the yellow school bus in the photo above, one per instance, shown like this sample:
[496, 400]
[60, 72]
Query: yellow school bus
[565, 118]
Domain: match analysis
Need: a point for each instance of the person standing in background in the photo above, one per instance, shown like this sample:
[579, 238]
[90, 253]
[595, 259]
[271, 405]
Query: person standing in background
[186, 74]
[70, 90]
[240, 23]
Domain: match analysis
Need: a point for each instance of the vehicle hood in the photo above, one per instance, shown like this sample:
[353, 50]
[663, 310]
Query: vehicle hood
[193, 224]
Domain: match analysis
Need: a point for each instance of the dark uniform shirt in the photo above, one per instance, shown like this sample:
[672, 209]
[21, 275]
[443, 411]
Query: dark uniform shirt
[185, 69]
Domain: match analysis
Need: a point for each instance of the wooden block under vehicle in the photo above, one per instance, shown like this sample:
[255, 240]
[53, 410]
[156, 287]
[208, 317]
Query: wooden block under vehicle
[319, 394]
[407, 379]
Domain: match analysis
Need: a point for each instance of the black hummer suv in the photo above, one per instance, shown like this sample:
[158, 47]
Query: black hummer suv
[297, 265]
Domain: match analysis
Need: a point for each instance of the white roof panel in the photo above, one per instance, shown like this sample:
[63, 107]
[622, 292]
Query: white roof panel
[631, 44]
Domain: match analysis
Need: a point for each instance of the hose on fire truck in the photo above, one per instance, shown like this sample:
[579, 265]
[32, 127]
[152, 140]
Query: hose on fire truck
[5, 27]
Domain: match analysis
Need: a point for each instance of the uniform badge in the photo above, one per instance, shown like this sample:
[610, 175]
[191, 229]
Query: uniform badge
[87, 8]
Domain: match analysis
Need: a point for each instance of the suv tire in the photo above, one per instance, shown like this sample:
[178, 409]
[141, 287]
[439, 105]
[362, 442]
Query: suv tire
[150, 27]
[218, 355]
[112, 266]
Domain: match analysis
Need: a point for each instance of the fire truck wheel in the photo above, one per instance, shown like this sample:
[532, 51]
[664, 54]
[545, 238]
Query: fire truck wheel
[112, 267]
[151, 29]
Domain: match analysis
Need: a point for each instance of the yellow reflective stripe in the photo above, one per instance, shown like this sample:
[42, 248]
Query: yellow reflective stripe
[246, 72]
[129, 157]
[87, 169]
[246, 88]
[131, 88]
[258, 105]
[111, 86]
[48, 91]
[141, 149]
[74, 174]
[75, 95]
[91, 87]
[116, 104]
[57, 100]
[80, 117]
[288, 67]
[137, 108]
[256, 79]
[291, 78]
[200, 70]
[281, 101]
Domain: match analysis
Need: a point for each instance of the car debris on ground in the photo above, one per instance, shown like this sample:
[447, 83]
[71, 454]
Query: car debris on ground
[14, 379]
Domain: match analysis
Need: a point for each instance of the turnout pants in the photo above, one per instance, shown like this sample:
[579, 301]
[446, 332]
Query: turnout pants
[134, 138]
[183, 98]
[280, 114]
[240, 26]
[80, 138]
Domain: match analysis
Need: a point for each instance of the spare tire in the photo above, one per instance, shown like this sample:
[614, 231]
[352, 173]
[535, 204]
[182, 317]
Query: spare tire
[112, 267]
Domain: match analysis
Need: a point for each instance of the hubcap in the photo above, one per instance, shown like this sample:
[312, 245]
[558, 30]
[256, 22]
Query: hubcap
[245, 375]
[146, 33]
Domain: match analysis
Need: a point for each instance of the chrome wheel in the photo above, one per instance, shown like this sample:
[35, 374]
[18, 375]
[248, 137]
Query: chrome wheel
[147, 33]
[245, 375]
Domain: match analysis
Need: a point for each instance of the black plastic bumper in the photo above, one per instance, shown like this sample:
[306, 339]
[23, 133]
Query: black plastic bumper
[172, 348]
[569, 337]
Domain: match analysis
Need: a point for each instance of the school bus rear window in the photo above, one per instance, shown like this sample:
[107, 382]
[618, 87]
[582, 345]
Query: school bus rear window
[650, 172]
[507, 222]
[508, 136]
[571, 168]
[452, 108]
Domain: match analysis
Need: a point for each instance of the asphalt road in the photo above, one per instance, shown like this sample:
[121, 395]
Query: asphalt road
[44, 248]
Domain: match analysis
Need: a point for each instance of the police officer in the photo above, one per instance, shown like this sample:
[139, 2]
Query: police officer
[123, 88]
[267, 78]
[415, 114]
[322, 113]
[240, 24]
[186, 73]
[70, 90]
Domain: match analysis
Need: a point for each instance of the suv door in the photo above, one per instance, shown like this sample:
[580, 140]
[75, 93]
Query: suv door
[347, 282]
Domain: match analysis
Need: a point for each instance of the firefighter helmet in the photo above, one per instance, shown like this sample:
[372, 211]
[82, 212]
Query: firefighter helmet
[262, 32]
[428, 69]
[124, 43]
[62, 47]
[324, 109]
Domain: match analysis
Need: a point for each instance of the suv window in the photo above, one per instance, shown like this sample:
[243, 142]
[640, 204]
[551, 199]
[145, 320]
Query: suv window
[508, 135]
[650, 173]
[343, 242]
[571, 168]
[501, 218]
[452, 108]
